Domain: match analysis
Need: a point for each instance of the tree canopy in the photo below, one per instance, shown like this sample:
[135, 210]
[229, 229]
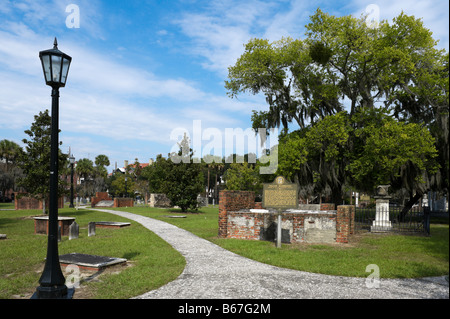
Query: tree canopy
[177, 177]
[393, 74]
[35, 160]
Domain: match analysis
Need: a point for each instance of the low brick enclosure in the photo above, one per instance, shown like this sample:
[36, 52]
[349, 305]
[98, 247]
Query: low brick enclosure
[41, 224]
[241, 217]
[22, 201]
[123, 202]
[99, 196]
[118, 201]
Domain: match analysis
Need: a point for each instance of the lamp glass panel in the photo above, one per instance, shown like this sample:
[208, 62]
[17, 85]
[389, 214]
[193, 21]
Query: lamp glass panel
[46, 66]
[56, 68]
[65, 70]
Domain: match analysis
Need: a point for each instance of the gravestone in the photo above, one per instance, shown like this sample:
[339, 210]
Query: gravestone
[381, 222]
[91, 229]
[280, 195]
[74, 231]
[2, 236]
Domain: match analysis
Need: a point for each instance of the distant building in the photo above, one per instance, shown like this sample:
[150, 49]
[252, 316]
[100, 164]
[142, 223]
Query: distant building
[131, 167]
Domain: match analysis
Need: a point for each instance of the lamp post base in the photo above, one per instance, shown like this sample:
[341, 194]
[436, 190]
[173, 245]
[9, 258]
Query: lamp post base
[53, 293]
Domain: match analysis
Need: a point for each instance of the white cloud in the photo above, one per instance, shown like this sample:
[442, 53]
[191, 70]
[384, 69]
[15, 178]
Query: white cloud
[108, 101]
[289, 22]
[434, 14]
[221, 31]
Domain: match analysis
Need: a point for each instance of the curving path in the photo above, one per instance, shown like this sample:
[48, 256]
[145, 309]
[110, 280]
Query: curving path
[212, 272]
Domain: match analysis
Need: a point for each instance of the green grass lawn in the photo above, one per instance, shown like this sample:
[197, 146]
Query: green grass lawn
[152, 262]
[397, 256]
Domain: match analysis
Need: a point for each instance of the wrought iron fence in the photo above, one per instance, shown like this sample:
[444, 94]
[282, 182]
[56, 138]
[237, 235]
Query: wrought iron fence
[417, 220]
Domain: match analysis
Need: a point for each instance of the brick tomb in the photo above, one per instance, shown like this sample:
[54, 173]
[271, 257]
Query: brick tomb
[240, 217]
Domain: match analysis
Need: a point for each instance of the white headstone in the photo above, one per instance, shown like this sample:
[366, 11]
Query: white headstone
[74, 230]
[91, 229]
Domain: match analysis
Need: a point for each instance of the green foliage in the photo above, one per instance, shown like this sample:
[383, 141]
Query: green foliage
[85, 168]
[242, 176]
[94, 177]
[184, 179]
[329, 137]
[156, 174]
[100, 162]
[292, 155]
[396, 65]
[366, 150]
[35, 160]
[387, 148]
[122, 187]
[10, 152]
[177, 177]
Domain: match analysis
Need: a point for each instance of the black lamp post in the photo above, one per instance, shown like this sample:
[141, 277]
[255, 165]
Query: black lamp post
[72, 161]
[55, 65]
[126, 189]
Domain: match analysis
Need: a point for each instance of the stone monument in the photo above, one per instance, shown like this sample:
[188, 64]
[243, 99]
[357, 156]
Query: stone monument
[381, 222]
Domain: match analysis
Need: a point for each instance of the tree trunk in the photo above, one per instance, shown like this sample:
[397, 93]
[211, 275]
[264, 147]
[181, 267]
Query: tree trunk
[409, 205]
[336, 196]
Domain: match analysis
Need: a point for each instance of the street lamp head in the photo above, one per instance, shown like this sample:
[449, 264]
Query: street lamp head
[55, 65]
[72, 159]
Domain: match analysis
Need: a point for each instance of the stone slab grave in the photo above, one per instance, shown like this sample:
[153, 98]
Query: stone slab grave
[2, 236]
[90, 262]
[111, 224]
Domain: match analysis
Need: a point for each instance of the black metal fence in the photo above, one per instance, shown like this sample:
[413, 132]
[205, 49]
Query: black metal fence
[417, 220]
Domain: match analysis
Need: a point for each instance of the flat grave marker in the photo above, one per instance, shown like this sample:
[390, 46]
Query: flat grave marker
[111, 224]
[89, 262]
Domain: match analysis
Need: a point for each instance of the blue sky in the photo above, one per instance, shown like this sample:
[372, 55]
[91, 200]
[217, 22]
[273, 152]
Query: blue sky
[141, 69]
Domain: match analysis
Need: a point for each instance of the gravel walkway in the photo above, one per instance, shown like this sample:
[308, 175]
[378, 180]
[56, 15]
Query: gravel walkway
[212, 272]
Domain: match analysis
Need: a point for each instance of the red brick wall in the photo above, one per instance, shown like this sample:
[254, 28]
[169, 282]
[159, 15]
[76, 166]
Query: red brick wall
[123, 202]
[345, 223]
[27, 202]
[254, 222]
[99, 196]
[248, 225]
[327, 206]
[232, 201]
[258, 205]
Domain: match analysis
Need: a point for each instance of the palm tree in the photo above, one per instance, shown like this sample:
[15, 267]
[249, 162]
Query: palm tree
[102, 160]
[9, 153]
